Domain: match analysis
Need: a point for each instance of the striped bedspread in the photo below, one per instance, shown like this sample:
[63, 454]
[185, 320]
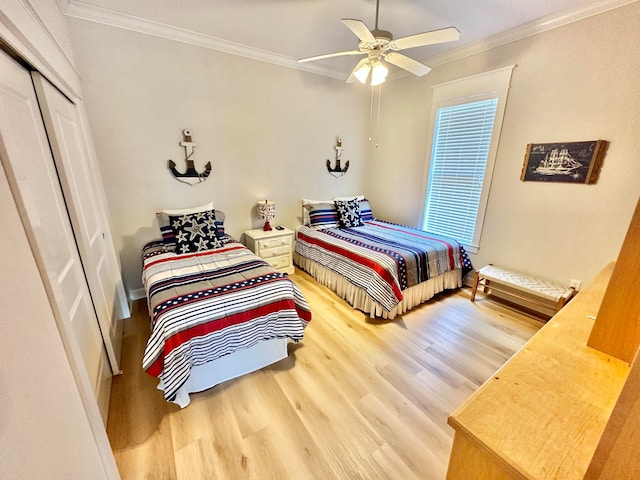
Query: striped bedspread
[382, 258]
[206, 305]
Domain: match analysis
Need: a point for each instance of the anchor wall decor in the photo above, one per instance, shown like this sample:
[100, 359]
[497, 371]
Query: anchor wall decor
[338, 169]
[191, 176]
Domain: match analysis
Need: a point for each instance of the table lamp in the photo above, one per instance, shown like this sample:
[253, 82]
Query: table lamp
[267, 212]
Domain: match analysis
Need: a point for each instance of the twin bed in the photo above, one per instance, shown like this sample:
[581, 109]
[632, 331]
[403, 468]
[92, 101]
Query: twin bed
[378, 267]
[218, 311]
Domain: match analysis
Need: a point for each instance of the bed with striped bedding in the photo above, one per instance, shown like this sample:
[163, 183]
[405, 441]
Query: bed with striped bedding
[381, 268]
[208, 305]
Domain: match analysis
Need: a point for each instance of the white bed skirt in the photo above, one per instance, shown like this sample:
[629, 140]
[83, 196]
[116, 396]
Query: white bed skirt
[358, 298]
[230, 366]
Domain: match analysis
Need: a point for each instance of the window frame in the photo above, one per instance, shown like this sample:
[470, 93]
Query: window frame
[492, 84]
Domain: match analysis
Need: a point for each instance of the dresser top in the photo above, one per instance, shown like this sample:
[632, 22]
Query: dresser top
[543, 413]
[258, 233]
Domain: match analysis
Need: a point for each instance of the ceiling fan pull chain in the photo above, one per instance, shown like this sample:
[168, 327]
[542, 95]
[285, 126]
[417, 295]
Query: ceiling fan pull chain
[379, 100]
[371, 124]
[371, 109]
[378, 116]
[374, 127]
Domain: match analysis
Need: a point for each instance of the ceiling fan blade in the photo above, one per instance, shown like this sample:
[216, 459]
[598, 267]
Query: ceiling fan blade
[329, 55]
[409, 64]
[427, 38]
[352, 78]
[359, 28]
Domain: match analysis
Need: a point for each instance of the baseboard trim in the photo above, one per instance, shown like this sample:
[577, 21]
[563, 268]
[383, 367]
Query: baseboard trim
[137, 294]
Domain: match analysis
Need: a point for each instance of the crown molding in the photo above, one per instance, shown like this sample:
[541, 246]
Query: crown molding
[535, 27]
[84, 11]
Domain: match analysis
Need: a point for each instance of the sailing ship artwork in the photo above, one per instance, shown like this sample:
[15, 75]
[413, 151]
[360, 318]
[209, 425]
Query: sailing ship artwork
[569, 162]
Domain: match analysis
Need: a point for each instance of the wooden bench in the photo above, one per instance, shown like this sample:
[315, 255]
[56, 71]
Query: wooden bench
[522, 286]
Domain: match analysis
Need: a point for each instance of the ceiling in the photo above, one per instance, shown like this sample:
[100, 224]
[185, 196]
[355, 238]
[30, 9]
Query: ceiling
[281, 31]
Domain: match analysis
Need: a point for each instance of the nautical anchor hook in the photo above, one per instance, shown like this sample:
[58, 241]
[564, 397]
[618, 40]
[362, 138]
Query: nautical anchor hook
[191, 176]
[338, 168]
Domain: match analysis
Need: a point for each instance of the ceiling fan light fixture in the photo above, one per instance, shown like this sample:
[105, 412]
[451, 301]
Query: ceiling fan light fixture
[379, 44]
[378, 74]
[362, 73]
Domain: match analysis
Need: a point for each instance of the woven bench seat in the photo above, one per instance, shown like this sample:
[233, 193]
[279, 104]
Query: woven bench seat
[538, 291]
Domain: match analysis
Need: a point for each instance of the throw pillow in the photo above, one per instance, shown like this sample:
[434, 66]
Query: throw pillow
[348, 213]
[166, 231]
[194, 232]
[366, 214]
[322, 215]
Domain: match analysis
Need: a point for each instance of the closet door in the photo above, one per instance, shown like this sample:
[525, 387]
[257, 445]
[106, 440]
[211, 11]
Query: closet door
[47, 433]
[26, 158]
[71, 154]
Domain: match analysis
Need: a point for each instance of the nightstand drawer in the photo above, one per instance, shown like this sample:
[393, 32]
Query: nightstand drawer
[280, 262]
[274, 251]
[274, 242]
[274, 246]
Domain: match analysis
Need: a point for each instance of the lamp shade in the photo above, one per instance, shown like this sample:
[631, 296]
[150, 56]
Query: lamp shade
[378, 74]
[371, 71]
[362, 72]
[267, 211]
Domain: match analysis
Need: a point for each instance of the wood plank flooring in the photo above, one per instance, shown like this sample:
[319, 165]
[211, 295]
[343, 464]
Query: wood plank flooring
[357, 399]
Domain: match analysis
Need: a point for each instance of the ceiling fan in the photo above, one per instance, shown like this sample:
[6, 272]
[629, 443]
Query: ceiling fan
[379, 45]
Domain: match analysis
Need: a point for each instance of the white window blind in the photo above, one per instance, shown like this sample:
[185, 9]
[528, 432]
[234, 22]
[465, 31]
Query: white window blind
[461, 144]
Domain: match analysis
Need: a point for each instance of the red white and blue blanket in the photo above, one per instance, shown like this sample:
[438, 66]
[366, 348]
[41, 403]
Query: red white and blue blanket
[208, 304]
[382, 258]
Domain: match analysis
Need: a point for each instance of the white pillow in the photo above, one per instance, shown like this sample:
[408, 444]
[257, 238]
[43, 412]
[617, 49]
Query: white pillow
[184, 211]
[352, 197]
[306, 201]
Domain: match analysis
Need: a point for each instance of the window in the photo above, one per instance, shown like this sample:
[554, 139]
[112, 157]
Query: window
[458, 164]
[466, 118]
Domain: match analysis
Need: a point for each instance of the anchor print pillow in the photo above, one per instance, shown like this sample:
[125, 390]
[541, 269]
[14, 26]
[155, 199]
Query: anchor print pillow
[195, 232]
[348, 213]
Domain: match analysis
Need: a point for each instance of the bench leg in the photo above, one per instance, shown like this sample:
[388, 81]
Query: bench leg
[561, 303]
[475, 287]
[485, 285]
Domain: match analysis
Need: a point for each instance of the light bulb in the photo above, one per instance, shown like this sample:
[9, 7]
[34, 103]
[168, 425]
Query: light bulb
[378, 74]
[362, 73]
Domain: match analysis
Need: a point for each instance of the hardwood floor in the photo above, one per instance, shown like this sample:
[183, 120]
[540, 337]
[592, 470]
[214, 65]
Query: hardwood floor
[358, 398]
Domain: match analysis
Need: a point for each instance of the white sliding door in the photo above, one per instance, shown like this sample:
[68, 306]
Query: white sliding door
[74, 163]
[46, 431]
[28, 163]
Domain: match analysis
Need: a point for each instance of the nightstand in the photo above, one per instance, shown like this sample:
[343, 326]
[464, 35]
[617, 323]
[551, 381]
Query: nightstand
[274, 246]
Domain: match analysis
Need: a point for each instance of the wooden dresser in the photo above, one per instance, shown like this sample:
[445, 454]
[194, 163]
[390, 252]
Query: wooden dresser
[561, 408]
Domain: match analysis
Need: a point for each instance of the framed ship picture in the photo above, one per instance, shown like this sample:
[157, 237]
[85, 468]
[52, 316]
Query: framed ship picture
[568, 162]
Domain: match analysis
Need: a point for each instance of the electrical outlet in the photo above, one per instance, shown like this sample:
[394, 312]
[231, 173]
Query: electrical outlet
[575, 284]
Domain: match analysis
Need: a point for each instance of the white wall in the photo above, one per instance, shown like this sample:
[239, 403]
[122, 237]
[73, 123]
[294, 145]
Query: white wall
[267, 130]
[577, 82]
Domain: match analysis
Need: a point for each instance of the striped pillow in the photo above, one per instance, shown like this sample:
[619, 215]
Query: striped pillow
[322, 215]
[366, 214]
